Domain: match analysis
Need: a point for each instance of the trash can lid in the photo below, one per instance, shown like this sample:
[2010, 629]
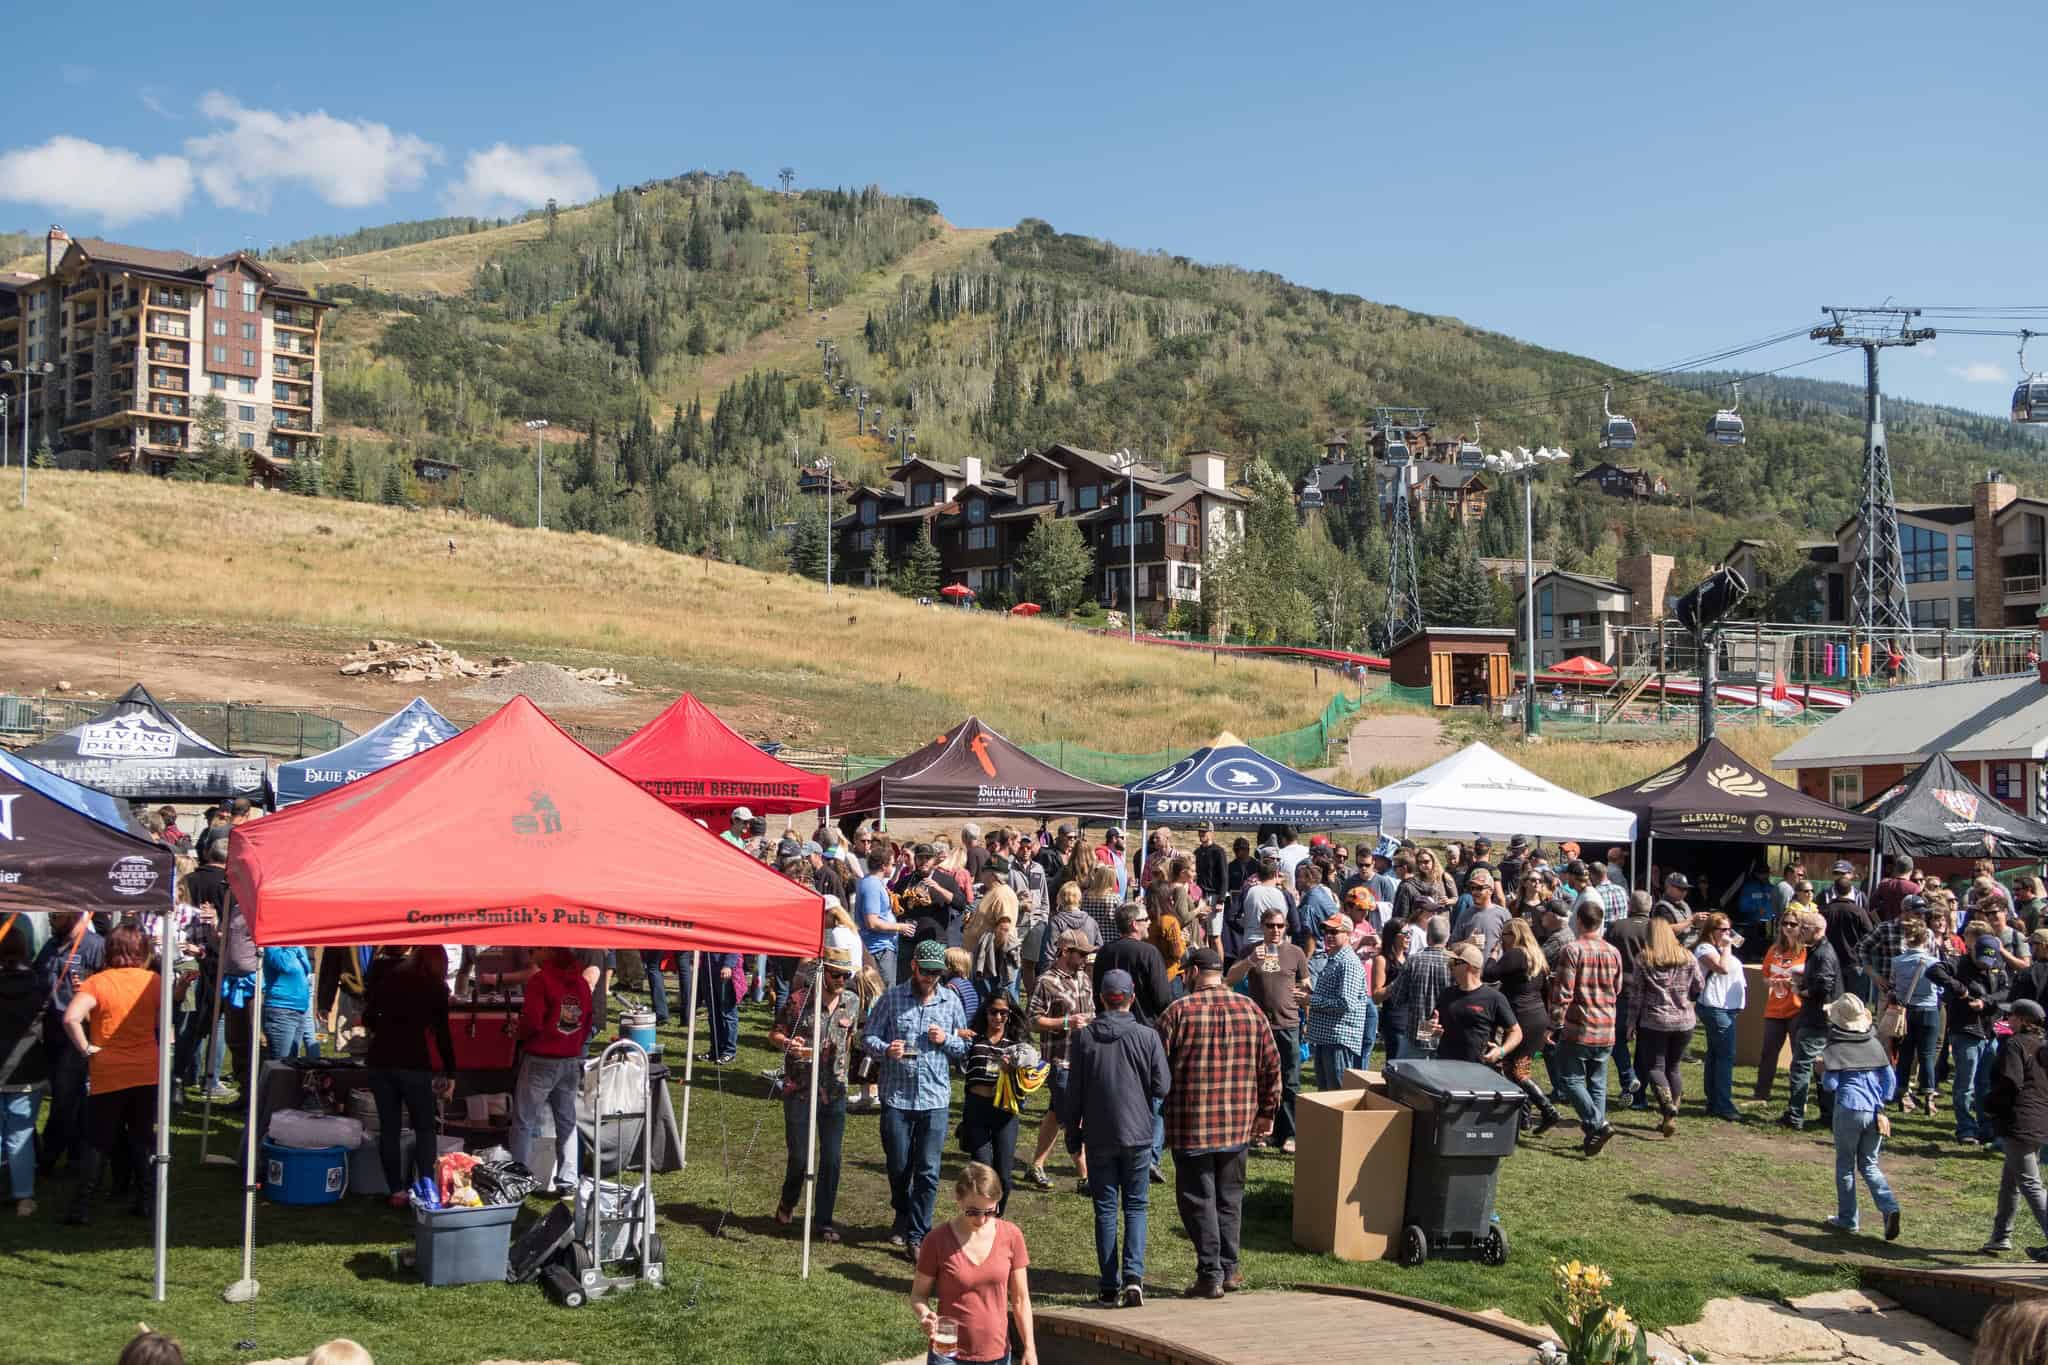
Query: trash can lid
[1451, 1080]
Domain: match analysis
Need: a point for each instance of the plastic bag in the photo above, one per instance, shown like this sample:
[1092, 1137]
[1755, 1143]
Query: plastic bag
[503, 1182]
[454, 1172]
[297, 1128]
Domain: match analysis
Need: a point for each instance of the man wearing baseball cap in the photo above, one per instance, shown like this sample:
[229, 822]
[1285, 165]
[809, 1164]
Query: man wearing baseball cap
[1478, 1023]
[913, 1030]
[736, 832]
[1225, 1092]
[1062, 1002]
[1119, 1073]
[1341, 1018]
[1671, 905]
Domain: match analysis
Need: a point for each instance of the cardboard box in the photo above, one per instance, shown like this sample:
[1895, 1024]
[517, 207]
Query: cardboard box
[1749, 1025]
[1354, 1079]
[1350, 1173]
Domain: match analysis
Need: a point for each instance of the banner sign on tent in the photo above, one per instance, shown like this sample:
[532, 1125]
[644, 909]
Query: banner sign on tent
[972, 770]
[1712, 793]
[1231, 784]
[1938, 812]
[137, 749]
[698, 764]
[413, 730]
[57, 853]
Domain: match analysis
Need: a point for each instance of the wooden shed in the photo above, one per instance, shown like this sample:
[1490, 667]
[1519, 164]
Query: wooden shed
[1460, 665]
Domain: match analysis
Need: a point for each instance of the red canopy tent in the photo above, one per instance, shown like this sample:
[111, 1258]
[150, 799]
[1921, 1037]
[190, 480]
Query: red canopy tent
[510, 833]
[697, 764]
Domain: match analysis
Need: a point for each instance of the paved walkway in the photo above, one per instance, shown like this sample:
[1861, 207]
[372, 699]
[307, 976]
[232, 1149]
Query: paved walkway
[1395, 739]
[1288, 1328]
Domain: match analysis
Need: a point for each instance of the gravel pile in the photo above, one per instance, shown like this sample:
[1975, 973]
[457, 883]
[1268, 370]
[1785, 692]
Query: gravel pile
[545, 685]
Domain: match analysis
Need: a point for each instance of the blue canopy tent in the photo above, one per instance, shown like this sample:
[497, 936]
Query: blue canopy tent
[1233, 786]
[415, 729]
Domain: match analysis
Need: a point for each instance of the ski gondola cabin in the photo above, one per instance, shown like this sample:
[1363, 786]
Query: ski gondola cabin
[1460, 665]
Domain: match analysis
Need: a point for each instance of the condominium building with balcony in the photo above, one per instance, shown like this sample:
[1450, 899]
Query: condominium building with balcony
[140, 338]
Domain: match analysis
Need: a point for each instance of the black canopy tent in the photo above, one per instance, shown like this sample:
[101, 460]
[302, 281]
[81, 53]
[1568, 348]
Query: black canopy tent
[1715, 796]
[1937, 812]
[137, 749]
[972, 770]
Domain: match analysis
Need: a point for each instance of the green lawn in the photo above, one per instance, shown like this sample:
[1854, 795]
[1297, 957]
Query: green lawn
[1717, 1210]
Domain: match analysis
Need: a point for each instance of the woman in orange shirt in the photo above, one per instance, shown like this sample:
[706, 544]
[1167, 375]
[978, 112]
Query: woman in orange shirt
[112, 1020]
[1784, 969]
[977, 1265]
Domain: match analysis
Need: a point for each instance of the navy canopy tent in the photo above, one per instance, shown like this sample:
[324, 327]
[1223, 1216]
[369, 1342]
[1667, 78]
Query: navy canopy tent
[137, 749]
[1232, 785]
[415, 729]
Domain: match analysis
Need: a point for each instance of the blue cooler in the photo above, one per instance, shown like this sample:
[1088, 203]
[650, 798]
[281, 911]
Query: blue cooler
[637, 1026]
[304, 1175]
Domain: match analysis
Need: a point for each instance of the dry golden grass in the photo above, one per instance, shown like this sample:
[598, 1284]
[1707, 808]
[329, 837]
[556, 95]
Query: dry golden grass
[445, 265]
[1591, 767]
[874, 671]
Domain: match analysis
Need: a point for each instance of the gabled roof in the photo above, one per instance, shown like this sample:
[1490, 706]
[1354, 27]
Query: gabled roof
[1431, 471]
[1947, 513]
[1966, 718]
[1585, 581]
[1632, 471]
[939, 467]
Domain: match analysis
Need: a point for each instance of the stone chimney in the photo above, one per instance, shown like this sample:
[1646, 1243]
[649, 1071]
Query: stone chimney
[1208, 468]
[54, 247]
[1987, 500]
[1648, 579]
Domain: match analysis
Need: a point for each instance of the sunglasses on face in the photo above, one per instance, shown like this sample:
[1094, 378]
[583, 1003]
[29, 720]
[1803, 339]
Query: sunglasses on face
[976, 1214]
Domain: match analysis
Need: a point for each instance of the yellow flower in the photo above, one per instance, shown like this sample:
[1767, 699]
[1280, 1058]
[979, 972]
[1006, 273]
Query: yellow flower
[1620, 1323]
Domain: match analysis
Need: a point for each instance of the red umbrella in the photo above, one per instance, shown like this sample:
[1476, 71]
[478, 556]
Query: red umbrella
[1026, 609]
[956, 590]
[1583, 666]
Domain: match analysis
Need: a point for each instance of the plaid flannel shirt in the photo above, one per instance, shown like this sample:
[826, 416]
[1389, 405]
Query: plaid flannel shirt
[1426, 976]
[1584, 986]
[1881, 945]
[1226, 1071]
[1613, 900]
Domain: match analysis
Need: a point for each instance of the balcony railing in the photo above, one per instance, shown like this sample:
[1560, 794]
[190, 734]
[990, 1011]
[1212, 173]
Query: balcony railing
[167, 326]
[168, 355]
[283, 422]
[168, 298]
[168, 407]
[290, 372]
[2022, 585]
[159, 379]
[284, 317]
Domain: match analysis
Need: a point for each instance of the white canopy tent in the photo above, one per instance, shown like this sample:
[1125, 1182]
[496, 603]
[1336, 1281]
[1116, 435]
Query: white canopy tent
[1479, 791]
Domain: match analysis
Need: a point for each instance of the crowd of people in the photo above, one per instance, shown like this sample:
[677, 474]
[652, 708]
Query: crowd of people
[1164, 1000]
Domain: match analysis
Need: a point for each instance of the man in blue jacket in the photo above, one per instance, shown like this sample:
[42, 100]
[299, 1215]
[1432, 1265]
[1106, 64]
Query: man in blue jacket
[1117, 1078]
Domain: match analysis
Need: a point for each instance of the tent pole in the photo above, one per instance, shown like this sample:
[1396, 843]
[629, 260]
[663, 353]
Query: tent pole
[166, 1033]
[244, 1289]
[220, 966]
[689, 1061]
[811, 1150]
[1649, 862]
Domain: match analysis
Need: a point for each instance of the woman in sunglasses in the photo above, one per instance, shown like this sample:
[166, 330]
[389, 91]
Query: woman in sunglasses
[988, 1131]
[795, 1032]
[977, 1264]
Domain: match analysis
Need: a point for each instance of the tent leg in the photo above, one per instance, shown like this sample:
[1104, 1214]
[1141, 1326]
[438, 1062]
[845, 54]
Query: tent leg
[1649, 862]
[212, 1067]
[689, 1061]
[811, 1151]
[166, 1034]
[244, 1289]
[1144, 830]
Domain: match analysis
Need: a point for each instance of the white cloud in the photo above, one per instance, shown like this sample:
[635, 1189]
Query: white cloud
[507, 179]
[1981, 372]
[349, 163]
[77, 176]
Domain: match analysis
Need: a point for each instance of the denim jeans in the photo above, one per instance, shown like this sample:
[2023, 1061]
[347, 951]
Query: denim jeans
[1807, 1043]
[1583, 1073]
[759, 985]
[912, 1140]
[796, 1132]
[1372, 1033]
[1970, 1073]
[1120, 1178]
[1921, 1044]
[551, 1083]
[1332, 1060]
[18, 1140]
[722, 1003]
[1856, 1147]
[1158, 1130]
[885, 965]
[1287, 1042]
[657, 989]
[1719, 1026]
[284, 1030]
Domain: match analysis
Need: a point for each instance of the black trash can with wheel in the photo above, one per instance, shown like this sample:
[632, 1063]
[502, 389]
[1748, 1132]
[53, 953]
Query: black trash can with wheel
[1466, 1119]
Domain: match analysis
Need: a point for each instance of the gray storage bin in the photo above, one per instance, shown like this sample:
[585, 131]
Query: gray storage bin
[463, 1246]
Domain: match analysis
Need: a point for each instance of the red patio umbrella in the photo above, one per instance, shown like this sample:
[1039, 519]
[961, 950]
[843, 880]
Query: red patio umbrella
[1583, 666]
[1026, 609]
[956, 590]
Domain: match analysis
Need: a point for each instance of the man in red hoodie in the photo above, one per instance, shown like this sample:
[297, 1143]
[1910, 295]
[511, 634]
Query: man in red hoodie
[552, 1030]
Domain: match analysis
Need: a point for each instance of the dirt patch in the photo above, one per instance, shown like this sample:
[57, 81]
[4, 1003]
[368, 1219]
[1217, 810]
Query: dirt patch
[1398, 740]
[544, 685]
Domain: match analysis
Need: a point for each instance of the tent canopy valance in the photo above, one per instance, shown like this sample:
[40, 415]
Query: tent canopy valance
[696, 763]
[66, 847]
[1937, 812]
[1479, 791]
[137, 749]
[1714, 794]
[1228, 783]
[972, 770]
[416, 728]
[510, 833]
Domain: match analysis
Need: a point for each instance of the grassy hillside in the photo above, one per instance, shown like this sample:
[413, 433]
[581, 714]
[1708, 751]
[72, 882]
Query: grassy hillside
[876, 672]
[437, 267]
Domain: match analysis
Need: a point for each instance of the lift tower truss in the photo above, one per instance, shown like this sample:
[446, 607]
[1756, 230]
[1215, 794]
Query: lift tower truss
[1404, 580]
[1878, 589]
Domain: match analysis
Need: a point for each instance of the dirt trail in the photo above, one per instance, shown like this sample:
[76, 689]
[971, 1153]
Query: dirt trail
[1395, 740]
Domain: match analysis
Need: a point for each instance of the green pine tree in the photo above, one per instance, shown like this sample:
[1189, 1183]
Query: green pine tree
[1053, 566]
[807, 548]
[349, 486]
[698, 340]
[1455, 590]
[295, 479]
[919, 576]
[697, 247]
[878, 563]
[392, 494]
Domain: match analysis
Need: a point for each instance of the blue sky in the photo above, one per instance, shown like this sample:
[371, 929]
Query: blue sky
[1636, 183]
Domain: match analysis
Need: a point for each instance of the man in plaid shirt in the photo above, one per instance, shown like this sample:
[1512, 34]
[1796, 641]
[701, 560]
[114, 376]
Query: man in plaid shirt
[1225, 1092]
[1585, 984]
[1592, 879]
[1427, 976]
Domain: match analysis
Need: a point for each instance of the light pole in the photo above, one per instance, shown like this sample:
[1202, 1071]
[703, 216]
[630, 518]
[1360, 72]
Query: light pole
[1129, 464]
[823, 464]
[537, 426]
[34, 371]
[1521, 463]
